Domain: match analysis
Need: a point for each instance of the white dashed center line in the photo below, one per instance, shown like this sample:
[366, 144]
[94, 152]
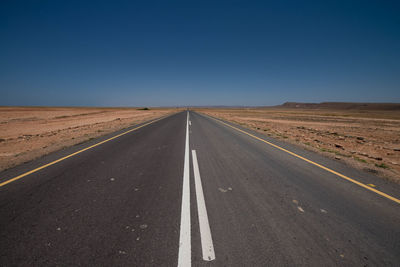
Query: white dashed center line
[205, 232]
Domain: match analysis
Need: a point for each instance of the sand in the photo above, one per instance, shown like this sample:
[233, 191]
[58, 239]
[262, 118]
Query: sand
[27, 133]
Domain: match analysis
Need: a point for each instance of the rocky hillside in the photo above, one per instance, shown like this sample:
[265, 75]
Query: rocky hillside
[343, 106]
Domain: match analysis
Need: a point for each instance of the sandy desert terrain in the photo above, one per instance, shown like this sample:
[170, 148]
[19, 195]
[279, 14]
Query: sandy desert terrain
[27, 133]
[364, 138]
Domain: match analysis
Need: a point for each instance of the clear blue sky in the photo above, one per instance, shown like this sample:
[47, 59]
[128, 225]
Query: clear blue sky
[164, 53]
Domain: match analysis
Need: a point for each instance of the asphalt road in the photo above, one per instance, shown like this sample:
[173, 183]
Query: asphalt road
[191, 190]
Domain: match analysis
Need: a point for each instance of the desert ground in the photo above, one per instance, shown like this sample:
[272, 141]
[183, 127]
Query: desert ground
[366, 138]
[27, 133]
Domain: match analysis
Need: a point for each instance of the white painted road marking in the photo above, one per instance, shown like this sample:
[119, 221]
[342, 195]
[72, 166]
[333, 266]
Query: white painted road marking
[205, 232]
[185, 250]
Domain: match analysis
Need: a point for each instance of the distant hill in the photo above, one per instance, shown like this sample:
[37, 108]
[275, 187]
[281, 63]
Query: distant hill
[342, 105]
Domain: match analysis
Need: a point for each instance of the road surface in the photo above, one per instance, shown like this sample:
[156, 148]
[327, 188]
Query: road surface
[191, 190]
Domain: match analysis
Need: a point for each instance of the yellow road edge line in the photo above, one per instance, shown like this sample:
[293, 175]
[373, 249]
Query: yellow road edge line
[314, 163]
[77, 152]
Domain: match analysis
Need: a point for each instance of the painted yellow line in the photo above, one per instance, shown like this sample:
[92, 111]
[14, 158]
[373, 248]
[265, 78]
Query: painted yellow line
[314, 163]
[77, 152]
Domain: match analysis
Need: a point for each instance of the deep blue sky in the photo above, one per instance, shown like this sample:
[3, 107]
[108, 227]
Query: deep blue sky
[162, 53]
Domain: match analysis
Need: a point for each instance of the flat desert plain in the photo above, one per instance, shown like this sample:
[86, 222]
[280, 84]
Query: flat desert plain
[367, 139]
[27, 133]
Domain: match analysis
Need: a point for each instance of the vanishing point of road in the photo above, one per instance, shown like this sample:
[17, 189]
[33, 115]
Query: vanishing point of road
[188, 189]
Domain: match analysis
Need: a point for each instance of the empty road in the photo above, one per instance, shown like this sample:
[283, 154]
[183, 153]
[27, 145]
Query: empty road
[188, 189]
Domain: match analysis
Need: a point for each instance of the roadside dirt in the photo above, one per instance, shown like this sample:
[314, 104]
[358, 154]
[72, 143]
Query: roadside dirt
[27, 133]
[365, 139]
